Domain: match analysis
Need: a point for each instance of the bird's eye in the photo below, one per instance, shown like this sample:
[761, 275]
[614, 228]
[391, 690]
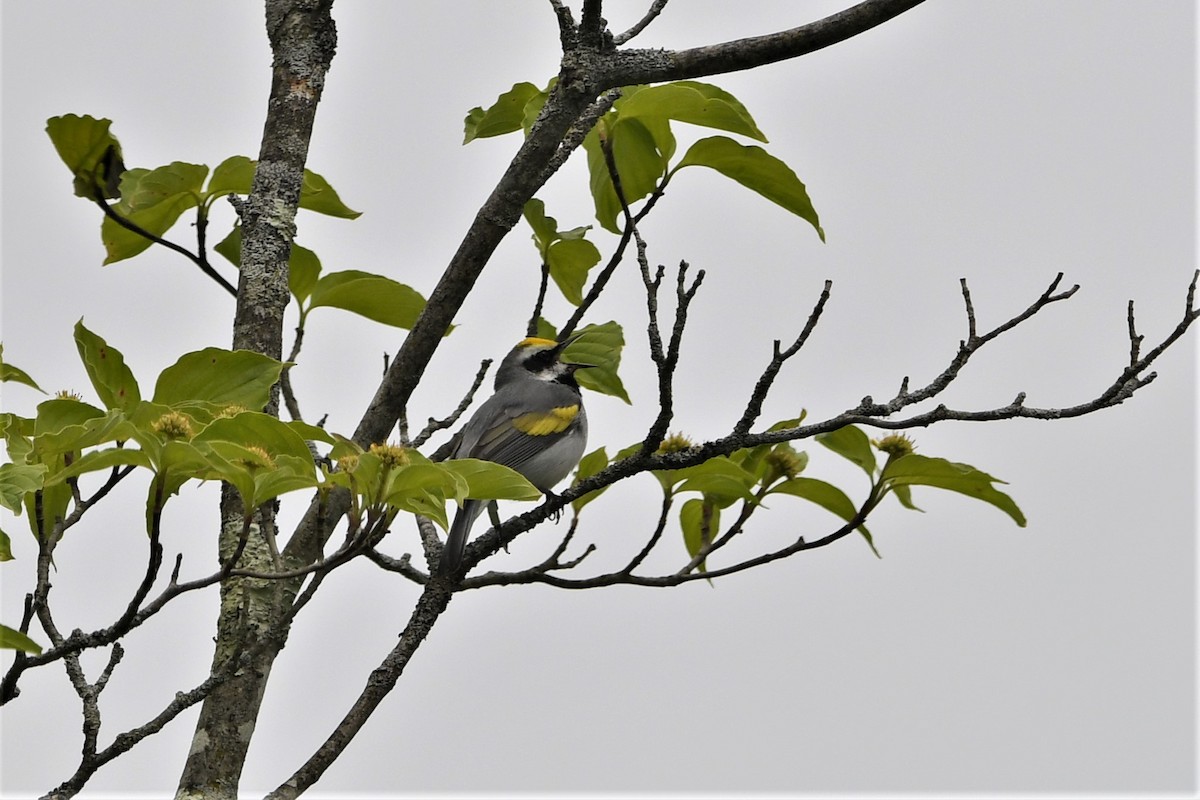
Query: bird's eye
[540, 361]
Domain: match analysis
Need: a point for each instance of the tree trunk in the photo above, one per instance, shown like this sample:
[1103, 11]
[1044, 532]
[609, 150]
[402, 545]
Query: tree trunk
[303, 39]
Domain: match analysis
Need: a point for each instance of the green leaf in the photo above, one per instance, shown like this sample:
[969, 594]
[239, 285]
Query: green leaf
[5, 547]
[752, 459]
[231, 247]
[719, 479]
[231, 462]
[153, 200]
[545, 229]
[757, 170]
[91, 153]
[223, 377]
[372, 296]
[10, 373]
[781, 461]
[253, 428]
[700, 520]
[567, 254]
[311, 432]
[18, 433]
[784, 424]
[58, 413]
[904, 495]
[916, 470]
[828, 497]
[258, 476]
[143, 189]
[589, 465]
[11, 639]
[182, 460]
[97, 460]
[423, 488]
[852, 444]
[290, 474]
[18, 480]
[113, 381]
[303, 270]
[489, 481]
[503, 116]
[54, 503]
[65, 426]
[303, 264]
[234, 175]
[640, 166]
[546, 329]
[534, 107]
[317, 195]
[659, 126]
[569, 261]
[755, 460]
[693, 102]
[600, 346]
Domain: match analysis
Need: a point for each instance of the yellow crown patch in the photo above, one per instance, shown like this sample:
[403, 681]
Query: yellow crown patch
[534, 341]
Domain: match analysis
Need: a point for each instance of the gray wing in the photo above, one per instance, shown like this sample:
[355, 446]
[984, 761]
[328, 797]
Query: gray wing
[491, 434]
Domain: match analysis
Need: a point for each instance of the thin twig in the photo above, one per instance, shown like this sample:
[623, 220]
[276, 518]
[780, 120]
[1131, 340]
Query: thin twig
[656, 8]
[748, 508]
[566, 25]
[285, 383]
[532, 328]
[1135, 339]
[655, 536]
[436, 425]
[767, 379]
[129, 225]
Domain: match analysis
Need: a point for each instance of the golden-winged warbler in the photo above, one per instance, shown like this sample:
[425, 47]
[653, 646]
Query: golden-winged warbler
[534, 423]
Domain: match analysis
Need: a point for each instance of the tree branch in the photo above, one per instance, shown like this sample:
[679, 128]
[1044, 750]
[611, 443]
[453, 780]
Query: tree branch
[429, 607]
[655, 66]
[866, 413]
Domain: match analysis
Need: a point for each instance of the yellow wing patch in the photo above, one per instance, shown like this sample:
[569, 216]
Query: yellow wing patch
[538, 423]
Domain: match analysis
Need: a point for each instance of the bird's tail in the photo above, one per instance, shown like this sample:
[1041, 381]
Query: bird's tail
[456, 540]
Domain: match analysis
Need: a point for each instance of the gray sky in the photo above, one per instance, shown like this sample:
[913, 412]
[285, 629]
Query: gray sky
[998, 141]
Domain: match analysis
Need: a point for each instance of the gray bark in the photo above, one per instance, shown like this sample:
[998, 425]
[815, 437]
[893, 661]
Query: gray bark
[303, 39]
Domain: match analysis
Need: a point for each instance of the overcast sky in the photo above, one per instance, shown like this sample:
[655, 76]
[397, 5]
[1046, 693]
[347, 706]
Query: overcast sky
[998, 141]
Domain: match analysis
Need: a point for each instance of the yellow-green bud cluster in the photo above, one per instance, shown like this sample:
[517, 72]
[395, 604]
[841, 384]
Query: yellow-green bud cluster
[174, 426]
[390, 455]
[895, 445]
[674, 443]
[257, 458]
[783, 462]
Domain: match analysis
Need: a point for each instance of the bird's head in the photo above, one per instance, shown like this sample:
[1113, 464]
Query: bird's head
[540, 359]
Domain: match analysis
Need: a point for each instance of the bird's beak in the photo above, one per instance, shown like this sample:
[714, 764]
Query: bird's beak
[565, 343]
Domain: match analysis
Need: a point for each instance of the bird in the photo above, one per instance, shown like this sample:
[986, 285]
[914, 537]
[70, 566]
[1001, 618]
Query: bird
[534, 423]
